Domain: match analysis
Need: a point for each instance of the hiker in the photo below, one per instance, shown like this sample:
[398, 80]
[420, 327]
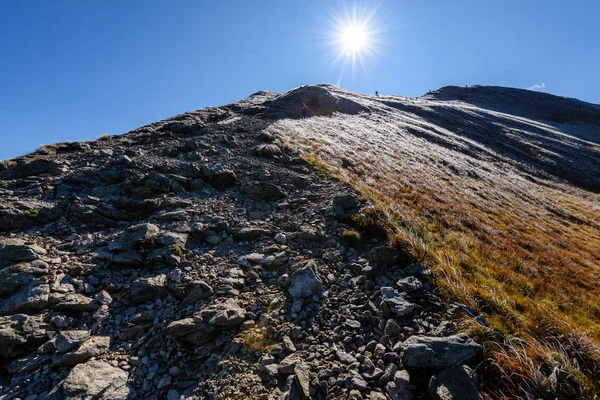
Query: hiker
[376, 93]
[304, 110]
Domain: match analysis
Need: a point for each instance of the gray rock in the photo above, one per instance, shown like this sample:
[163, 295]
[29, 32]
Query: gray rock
[264, 191]
[14, 251]
[383, 255]
[27, 300]
[409, 284]
[93, 347]
[268, 150]
[305, 282]
[35, 167]
[130, 239]
[66, 340]
[20, 332]
[225, 314]
[76, 302]
[456, 383]
[93, 380]
[149, 289]
[397, 304]
[250, 233]
[199, 291]
[280, 238]
[438, 352]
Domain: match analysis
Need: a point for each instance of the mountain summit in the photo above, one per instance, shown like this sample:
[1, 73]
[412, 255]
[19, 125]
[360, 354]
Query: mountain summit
[382, 247]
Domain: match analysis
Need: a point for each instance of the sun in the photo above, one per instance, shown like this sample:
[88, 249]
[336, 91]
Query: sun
[353, 38]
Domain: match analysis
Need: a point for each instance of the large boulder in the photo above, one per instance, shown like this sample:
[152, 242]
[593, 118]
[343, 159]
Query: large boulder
[305, 282]
[438, 352]
[455, 383]
[96, 380]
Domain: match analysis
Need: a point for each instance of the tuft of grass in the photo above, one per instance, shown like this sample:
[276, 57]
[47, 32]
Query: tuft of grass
[33, 213]
[351, 237]
[146, 245]
[177, 250]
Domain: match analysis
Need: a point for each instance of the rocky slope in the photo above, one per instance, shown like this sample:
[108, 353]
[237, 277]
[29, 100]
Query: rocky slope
[201, 257]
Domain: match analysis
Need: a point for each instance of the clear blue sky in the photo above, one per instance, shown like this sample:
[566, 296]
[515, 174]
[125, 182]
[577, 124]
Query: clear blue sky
[73, 70]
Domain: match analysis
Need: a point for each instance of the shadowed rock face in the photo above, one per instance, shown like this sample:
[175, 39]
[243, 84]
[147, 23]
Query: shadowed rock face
[201, 255]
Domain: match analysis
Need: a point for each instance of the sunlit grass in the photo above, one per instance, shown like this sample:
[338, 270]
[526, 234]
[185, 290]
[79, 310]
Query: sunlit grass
[526, 255]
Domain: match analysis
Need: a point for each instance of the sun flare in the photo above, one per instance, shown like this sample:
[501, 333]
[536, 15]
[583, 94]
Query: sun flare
[355, 38]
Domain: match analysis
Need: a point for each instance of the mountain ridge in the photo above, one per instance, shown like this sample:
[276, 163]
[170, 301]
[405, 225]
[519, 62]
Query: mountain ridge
[212, 255]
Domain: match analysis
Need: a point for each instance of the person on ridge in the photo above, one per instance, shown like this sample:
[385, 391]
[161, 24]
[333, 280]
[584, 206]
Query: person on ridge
[376, 93]
[304, 109]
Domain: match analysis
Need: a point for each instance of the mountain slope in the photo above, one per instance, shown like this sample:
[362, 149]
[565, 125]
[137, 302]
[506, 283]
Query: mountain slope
[202, 256]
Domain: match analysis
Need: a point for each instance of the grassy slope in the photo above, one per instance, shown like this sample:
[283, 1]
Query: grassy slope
[524, 250]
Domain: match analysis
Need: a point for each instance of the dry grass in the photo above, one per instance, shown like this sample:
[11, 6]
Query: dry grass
[526, 253]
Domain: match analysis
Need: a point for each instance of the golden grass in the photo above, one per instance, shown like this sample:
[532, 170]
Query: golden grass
[525, 254]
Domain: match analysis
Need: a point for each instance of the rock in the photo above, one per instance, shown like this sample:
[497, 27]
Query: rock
[397, 304]
[455, 383]
[268, 150]
[20, 332]
[280, 238]
[264, 191]
[438, 353]
[269, 261]
[131, 244]
[287, 365]
[383, 255]
[190, 330]
[76, 302]
[12, 282]
[219, 177]
[14, 251]
[200, 291]
[66, 340]
[93, 380]
[93, 347]
[28, 363]
[149, 289]
[419, 270]
[35, 167]
[300, 389]
[225, 314]
[104, 298]
[346, 201]
[173, 395]
[250, 233]
[27, 300]
[305, 282]
[409, 284]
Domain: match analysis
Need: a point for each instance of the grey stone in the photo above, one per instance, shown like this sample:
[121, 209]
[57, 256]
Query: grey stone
[93, 380]
[438, 352]
[455, 383]
[148, 289]
[305, 282]
[397, 304]
[29, 299]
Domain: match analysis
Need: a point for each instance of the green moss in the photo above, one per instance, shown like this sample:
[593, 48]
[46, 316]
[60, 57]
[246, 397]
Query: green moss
[32, 213]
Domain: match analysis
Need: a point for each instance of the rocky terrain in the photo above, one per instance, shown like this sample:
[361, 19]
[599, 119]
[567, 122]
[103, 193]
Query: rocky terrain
[202, 257]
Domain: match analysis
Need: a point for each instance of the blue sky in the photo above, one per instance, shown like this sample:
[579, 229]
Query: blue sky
[73, 70]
